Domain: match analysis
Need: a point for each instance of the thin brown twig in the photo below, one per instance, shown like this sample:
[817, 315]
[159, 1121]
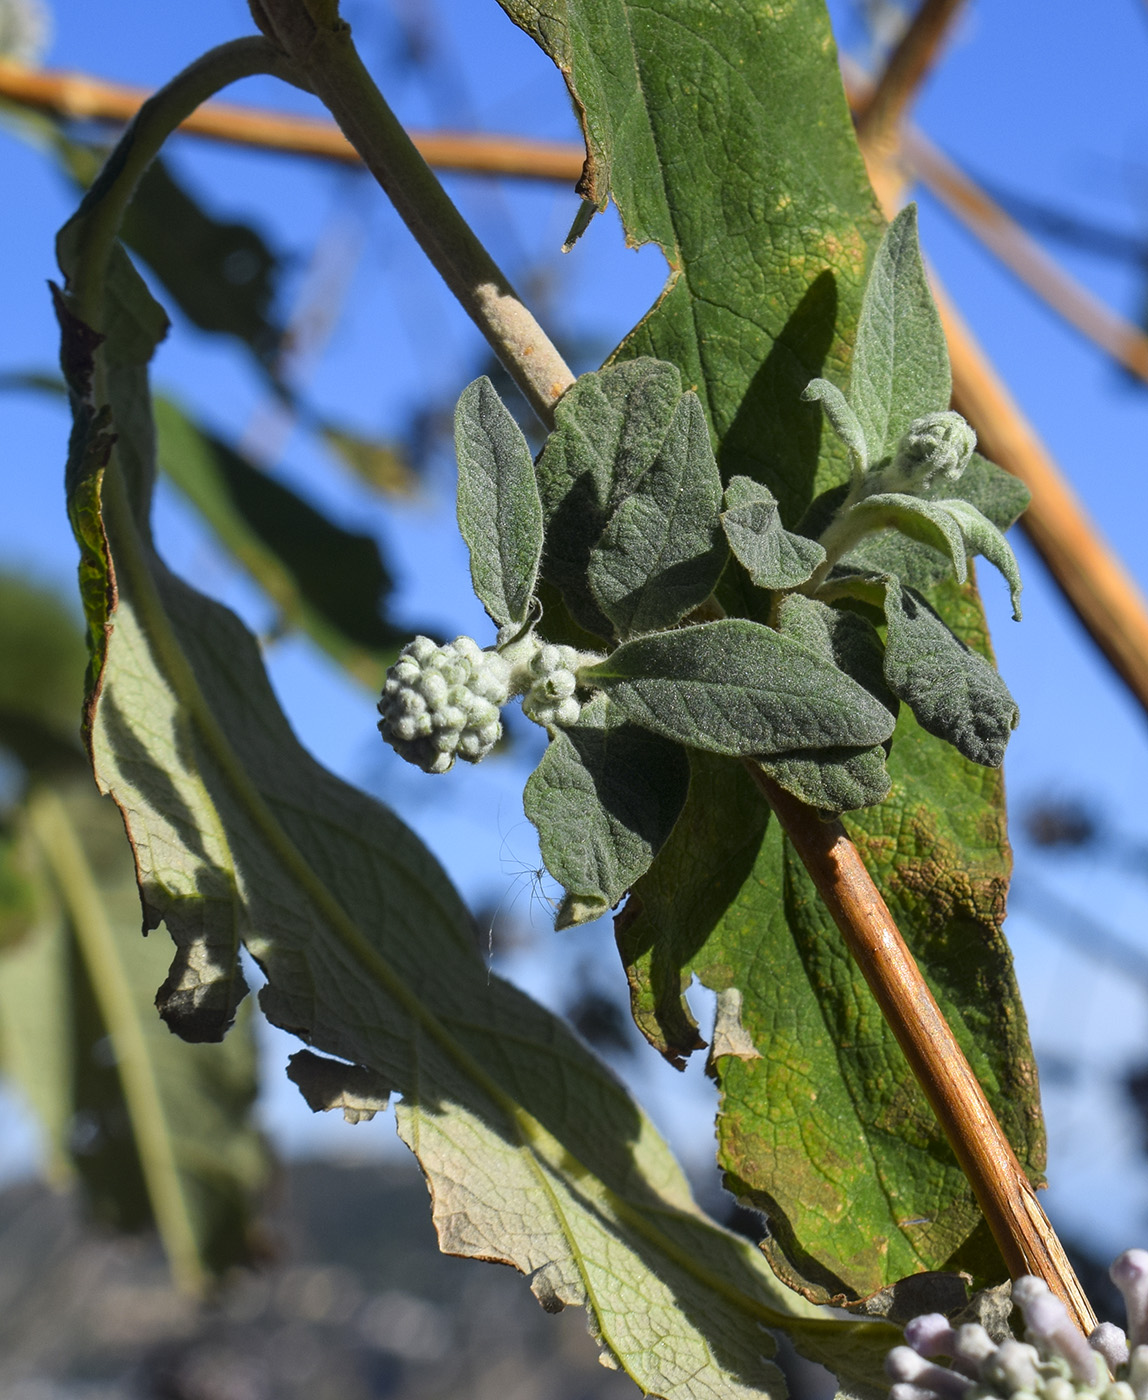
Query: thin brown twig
[1019, 1225]
[80, 97]
[879, 119]
[1018, 250]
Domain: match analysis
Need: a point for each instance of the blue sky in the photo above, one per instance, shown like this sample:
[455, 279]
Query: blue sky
[1046, 101]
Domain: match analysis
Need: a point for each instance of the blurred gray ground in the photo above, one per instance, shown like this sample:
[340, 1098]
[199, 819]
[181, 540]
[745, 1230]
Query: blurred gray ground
[355, 1303]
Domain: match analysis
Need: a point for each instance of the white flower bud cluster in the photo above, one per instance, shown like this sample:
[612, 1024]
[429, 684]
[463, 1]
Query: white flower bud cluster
[934, 448]
[550, 699]
[1054, 1362]
[443, 703]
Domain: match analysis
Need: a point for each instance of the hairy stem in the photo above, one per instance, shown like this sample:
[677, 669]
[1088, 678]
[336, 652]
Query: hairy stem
[91, 232]
[320, 46]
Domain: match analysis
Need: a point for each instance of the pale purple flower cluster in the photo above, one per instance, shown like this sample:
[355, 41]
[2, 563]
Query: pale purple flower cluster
[1054, 1362]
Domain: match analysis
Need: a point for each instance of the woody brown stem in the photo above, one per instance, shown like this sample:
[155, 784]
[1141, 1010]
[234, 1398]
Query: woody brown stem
[319, 46]
[1019, 1225]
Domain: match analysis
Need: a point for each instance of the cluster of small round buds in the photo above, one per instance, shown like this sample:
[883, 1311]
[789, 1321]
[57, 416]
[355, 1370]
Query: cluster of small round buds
[1054, 1362]
[550, 699]
[934, 448]
[443, 703]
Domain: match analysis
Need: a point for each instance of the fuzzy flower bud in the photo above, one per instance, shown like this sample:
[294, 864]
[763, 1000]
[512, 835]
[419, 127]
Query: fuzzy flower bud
[1054, 1362]
[440, 703]
[1130, 1274]
[935, 448]
[550, 698]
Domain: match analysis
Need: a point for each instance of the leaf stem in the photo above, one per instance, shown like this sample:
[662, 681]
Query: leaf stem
[325, 56]
[1018, 1223]
[91, 232]
[80, 894]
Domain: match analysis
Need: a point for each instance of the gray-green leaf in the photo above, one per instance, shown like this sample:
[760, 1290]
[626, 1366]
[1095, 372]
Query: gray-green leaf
[842, 419]
[499, 508]
[773, 557]
[843, 638]
[609, 428]
[837, 779]
[901, 361]
[926, 522]
[832, 780]
[982, 537]
[736, 687]
[604, 799]
[662, 551]
[953, 692]
[997, 494]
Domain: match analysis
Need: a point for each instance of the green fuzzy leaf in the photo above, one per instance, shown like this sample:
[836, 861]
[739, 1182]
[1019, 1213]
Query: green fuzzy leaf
[997, 494]
[843, 778]
[900, 361]
[663, 550]
[736, 687]
[954, 692]
[848, 641]
[842, 419]
[499, 509]
[832, 780]
[329, 582]
[609, 430]
[925, 522]
[604, 799]
[369, 953]
[772, 556]
[983, 537]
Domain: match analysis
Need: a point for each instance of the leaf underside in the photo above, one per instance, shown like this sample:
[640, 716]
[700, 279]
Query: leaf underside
[723, 136]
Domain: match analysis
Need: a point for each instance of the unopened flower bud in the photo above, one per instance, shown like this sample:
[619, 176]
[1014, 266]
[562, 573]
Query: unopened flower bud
[1110, 1341]
[551, 700]
[931, 1335]
[935, 448]
[439, 703]
[1130, 1274]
